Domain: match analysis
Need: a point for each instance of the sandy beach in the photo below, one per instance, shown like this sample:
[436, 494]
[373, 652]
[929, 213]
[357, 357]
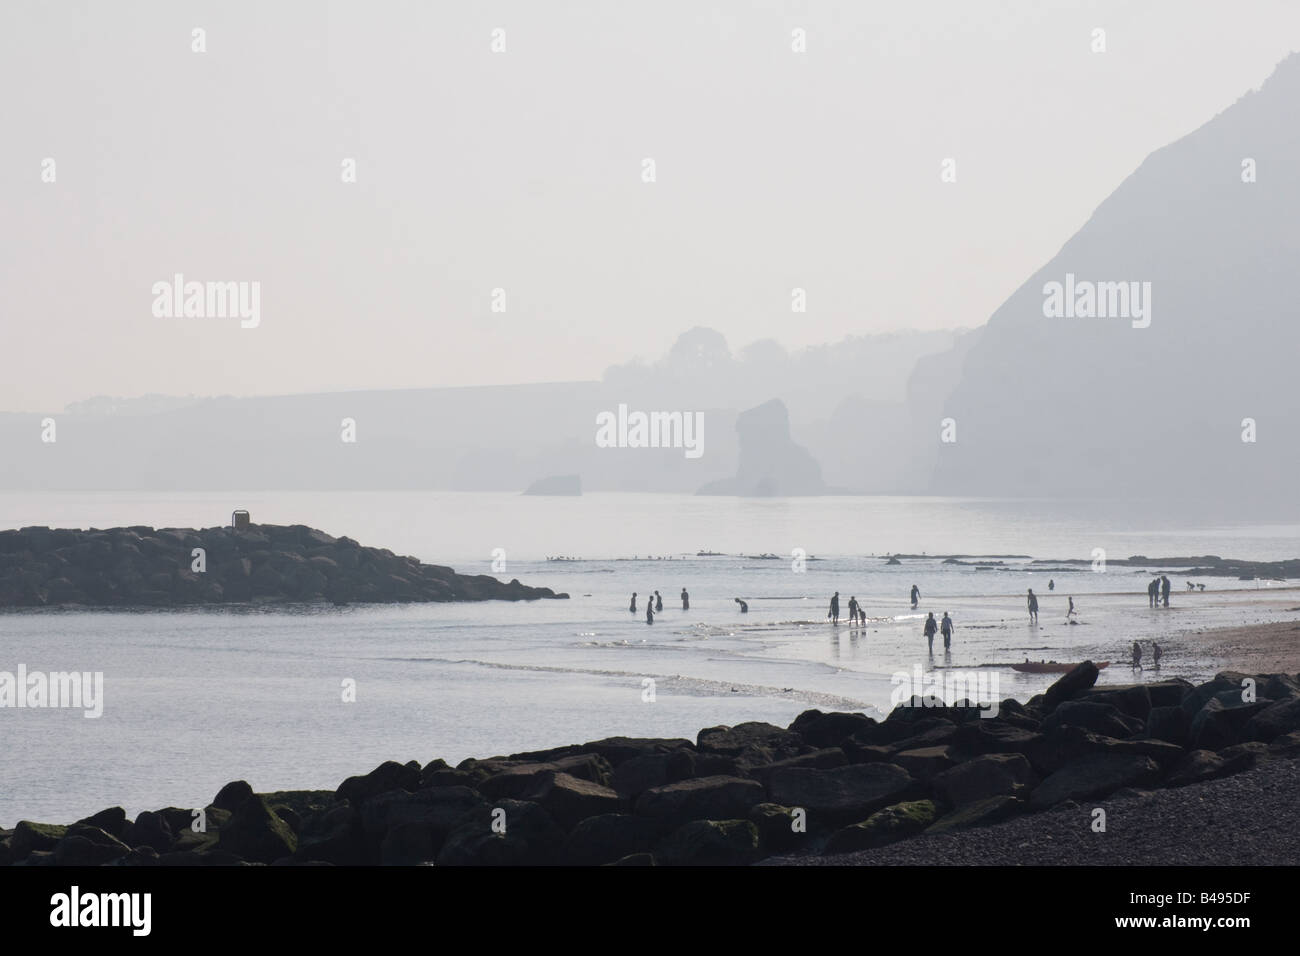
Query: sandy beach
[1272, 648]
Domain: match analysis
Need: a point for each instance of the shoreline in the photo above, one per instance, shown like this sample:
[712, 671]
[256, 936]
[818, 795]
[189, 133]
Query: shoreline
[826, 785]
[1270, 647]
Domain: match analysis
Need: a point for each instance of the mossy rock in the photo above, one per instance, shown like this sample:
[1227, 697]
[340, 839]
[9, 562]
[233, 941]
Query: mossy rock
[255, 833]
[775, 824]
[29, 836]
[711, 843]
[894, 823]
[984, 812]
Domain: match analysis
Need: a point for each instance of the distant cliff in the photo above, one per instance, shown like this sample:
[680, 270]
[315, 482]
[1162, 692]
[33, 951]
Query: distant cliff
[771, 464]
[139, 566]
[1081, 396]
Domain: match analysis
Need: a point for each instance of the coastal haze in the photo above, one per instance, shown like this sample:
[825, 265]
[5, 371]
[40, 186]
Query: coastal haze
[839, 299]
[452, 680]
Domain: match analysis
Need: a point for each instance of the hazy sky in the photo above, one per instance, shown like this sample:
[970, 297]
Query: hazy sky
[523, 170]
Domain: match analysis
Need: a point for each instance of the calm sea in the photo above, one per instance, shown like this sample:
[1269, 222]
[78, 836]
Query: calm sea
[194, 699]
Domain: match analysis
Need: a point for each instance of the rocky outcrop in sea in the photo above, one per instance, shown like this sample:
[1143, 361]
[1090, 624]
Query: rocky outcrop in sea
[771, 464]
[829, 783]
[141, 566]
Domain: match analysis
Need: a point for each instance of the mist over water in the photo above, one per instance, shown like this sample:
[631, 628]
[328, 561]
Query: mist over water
[195, 698]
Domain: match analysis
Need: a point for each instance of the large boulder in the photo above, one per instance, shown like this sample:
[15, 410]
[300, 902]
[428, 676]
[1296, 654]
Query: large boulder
[932, 707]
[637, 775]
[1222, 721]
[776, 827]
[995, 737]
[232, 795]
[256, 834]
[1071, 684]
[1094, 775]
[29, 837]
[1282, 717]
[843, 794]
[88, 846]
[1278, 686]
[924, 763]
[334, 835]
[1228, 681]
[703, 798]
[112, 821]
[1133, 700]
[507, 833]
[1200, 765]
[750, 744]
[609, 837]
[824, 759]
[618, 749]
[520, 779]
[981, 813]
[1066, 744]
[1170, 724]
[934, 733]
[710, 843]
[989, 775]
[150, 829]
[426, 816]
[388, 776]
[570, 799]
[1098, 717]
[885, 826]
[829, 730]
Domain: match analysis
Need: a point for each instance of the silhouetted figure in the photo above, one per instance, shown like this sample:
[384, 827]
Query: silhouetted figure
[649, 612]
[1191, 586]
[632, 607]
[1033, 607]
[853, 610]
[834, 612]
[659, 602]
[1155, 655]
[1153, 589]
[744, 608]
[1051, 585]
[1071, 612]
[1164, 589]
[945, 627]
[1200, 587]
[916, 596]
[930, 627]
[1137, 656]
[686, 600]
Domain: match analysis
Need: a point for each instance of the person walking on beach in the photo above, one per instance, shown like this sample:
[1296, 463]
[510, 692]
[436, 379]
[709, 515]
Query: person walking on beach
[834, 612]
[916, 596]
[1033, 607]
[853, 611]
[659, 602]
[1137, 656]
[1051, 585]
[1071, 612]
[632, 606]
[686, 600]
[1155, 655]
[945, 628]
[1152, 590]
[930, 627]
[744, 608]
[649, 611]
[1164, 589]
